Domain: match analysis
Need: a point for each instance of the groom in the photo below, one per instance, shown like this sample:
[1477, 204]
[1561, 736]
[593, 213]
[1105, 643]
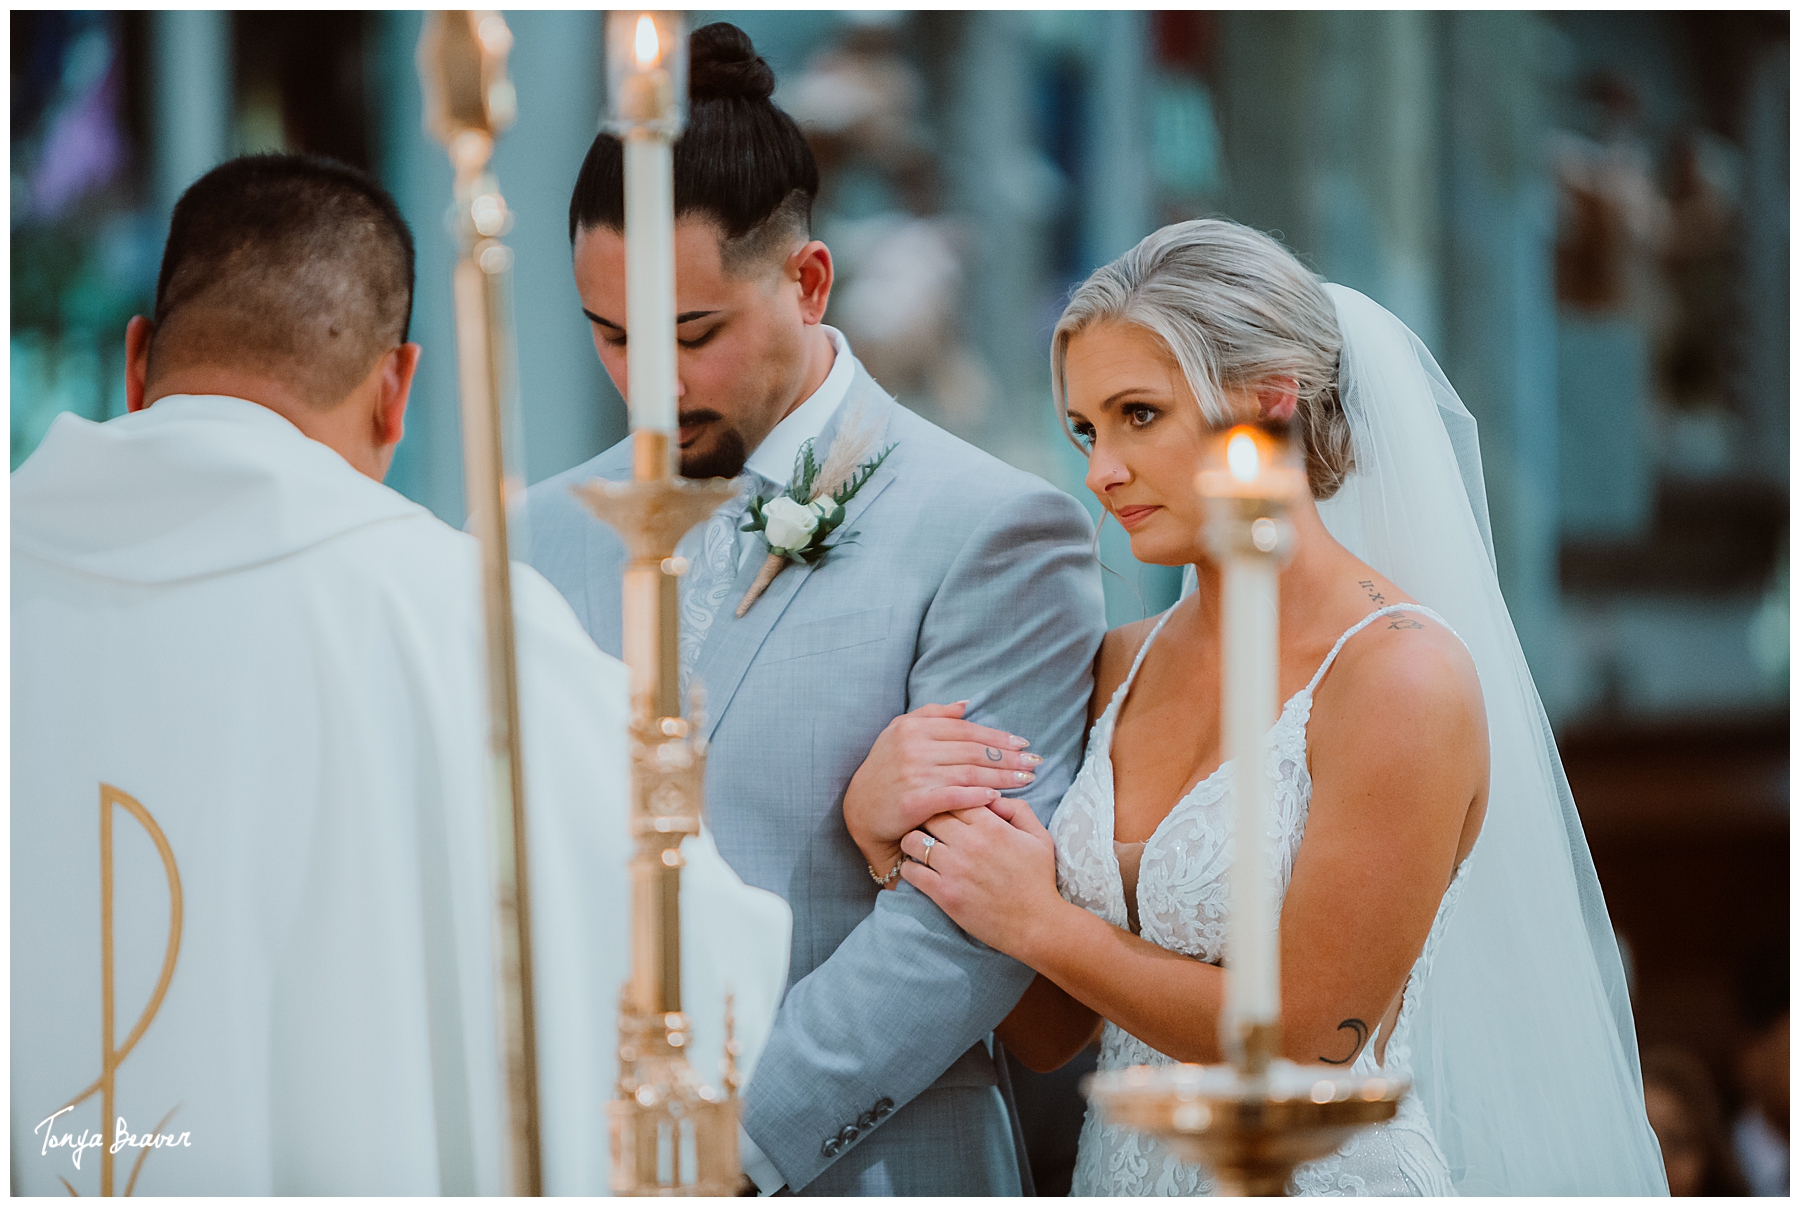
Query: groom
[968, 580]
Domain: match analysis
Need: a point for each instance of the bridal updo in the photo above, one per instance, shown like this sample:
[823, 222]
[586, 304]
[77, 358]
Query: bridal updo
[1234, 307]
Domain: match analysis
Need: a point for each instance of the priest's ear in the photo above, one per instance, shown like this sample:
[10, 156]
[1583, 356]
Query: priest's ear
[1277, 398]
[394, 379]
[137, 361]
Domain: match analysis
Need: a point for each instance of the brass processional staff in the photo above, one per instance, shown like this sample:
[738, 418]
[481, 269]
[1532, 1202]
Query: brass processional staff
[468, 102]
[671, 1133]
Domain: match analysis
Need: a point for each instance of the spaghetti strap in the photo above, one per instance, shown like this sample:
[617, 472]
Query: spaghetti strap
[1145, 648]
[1364, 623]
[1121, 691]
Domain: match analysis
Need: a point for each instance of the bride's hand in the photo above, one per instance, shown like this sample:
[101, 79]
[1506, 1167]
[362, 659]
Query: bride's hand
[992, 870]
[926, 762]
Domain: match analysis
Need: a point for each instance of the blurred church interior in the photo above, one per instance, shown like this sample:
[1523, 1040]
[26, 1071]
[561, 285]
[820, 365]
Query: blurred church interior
[1584, 215]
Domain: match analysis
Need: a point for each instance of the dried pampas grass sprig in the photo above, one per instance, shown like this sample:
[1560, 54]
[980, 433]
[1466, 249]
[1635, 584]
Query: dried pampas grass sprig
[854, 440]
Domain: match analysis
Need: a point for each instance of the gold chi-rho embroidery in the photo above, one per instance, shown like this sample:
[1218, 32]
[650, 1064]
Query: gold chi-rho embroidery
[112, 1057]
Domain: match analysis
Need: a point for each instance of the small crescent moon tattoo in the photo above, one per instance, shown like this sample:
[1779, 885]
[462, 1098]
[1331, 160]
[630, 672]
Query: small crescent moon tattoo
[1360, 1030]
[993, 755]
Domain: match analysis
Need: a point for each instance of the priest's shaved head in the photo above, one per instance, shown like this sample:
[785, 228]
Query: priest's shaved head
[287, 280]
[293, 261]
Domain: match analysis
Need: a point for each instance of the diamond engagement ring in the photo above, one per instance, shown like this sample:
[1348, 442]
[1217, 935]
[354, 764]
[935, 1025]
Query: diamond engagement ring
[929, 843]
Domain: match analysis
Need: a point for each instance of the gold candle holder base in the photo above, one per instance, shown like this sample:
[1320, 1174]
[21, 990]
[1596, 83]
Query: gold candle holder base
[672, 1136]
[1250, 1128]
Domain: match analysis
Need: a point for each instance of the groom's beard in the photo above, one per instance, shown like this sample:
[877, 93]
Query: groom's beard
[720, 450]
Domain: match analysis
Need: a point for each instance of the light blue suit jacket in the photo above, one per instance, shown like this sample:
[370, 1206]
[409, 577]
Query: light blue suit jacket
[969, 580]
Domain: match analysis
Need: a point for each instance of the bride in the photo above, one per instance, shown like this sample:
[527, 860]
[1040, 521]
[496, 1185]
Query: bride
[1440, 917]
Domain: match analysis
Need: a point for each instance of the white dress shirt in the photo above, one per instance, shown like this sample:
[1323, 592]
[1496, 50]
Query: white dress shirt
[774, 457]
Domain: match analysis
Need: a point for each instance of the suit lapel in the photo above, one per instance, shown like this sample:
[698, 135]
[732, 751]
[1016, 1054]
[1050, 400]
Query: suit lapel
[733, 641]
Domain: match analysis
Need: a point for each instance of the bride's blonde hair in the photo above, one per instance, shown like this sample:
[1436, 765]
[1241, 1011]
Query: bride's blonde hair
[1234, 307]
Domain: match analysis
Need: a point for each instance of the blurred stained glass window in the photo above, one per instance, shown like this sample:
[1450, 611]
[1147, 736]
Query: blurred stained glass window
[84, 255]
[1184, 137]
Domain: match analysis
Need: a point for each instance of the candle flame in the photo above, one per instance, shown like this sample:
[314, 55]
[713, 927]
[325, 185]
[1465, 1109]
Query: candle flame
[1242, 456]
[649, 46]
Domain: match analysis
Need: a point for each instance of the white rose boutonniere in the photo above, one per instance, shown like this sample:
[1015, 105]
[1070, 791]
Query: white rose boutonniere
[796, 523]
[788, 526]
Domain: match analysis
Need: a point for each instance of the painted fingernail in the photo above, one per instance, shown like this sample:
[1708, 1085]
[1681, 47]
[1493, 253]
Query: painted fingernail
[1024, 777]
[1019, 743]
[1032, 760]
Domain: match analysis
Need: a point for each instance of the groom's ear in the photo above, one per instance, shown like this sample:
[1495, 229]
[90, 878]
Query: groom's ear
[811, 269]
[1277, 398]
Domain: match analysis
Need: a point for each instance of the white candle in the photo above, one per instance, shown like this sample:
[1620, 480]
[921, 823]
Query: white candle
[647, 104]
[650, 283]
[1252, 956]
[1248, 480]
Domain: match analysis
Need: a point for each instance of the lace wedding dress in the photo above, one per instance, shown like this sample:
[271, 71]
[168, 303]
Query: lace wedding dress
[1181, 904]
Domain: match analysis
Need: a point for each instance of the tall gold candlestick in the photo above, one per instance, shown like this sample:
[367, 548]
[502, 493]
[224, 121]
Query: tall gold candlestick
[671, 1133]
[469, 101]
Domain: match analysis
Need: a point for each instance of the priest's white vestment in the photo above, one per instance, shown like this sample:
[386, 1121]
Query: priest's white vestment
[266, 671]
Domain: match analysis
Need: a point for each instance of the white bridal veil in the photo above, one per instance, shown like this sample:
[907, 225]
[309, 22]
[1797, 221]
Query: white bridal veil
[1524, 1053]
[1523, 1047]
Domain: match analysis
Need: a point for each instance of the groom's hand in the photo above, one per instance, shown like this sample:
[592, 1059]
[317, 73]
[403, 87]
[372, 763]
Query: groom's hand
[926, 762]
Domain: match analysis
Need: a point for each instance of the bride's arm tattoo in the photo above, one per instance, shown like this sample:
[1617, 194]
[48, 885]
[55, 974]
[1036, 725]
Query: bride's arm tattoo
[1360, 1030]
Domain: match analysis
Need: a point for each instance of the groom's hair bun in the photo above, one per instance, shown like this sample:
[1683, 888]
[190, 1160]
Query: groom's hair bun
[723, 65]
[741, 164]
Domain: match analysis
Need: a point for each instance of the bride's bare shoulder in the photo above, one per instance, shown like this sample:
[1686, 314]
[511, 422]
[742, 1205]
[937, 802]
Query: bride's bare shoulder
[1398, 742]
[1405, 671]
[1408, 652]
[1117, 650]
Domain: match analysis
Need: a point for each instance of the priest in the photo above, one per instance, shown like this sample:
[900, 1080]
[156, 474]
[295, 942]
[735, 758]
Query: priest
[252, 915]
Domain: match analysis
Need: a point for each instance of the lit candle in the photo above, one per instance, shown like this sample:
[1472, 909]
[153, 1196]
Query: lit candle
[1247, 482]
[647, 70]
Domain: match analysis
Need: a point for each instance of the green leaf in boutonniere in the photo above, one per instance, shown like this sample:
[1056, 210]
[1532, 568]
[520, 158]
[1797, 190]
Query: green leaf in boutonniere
[806, 473]
[756, 522]
[862, 474]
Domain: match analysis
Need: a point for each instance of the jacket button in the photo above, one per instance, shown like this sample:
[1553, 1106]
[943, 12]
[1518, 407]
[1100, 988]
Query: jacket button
[849, 1134]
[830, 1148]
[883, 1106]
[867, 1119]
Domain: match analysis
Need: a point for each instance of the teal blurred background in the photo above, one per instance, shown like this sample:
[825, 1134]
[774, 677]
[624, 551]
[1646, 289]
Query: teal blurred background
[1585, 215]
